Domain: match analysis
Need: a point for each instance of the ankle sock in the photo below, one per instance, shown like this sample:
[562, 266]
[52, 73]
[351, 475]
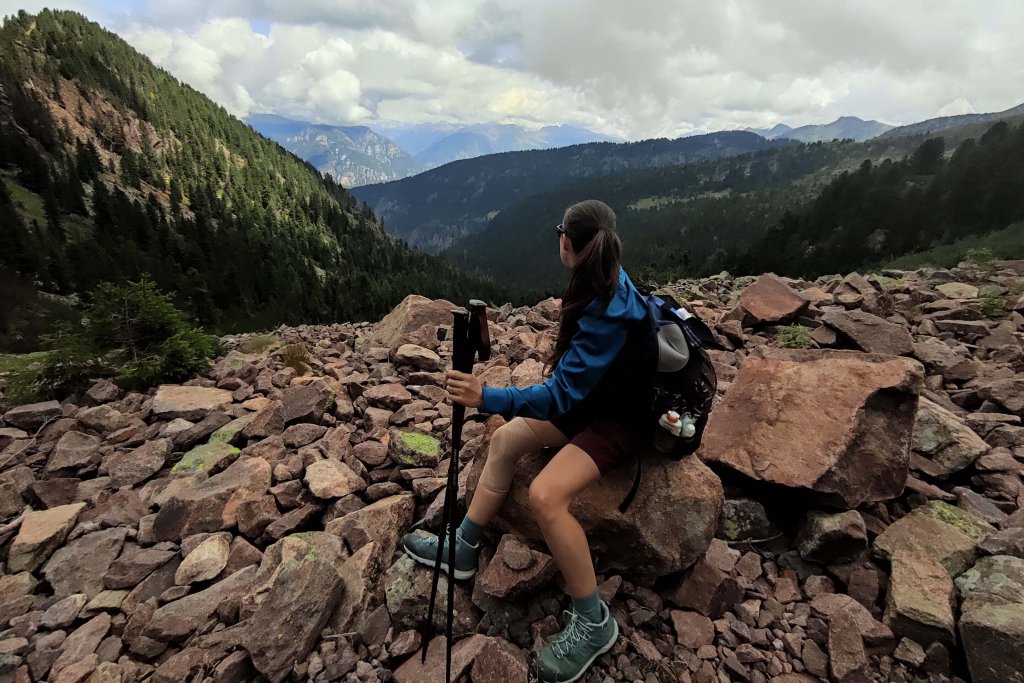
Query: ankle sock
[471, 531]
[589, 607]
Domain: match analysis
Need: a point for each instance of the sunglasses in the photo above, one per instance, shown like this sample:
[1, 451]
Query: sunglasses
[559, 229]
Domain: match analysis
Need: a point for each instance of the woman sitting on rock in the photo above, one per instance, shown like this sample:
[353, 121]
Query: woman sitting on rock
[594, 406]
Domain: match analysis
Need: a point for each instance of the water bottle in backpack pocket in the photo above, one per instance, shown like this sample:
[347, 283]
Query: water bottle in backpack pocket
[685, 381]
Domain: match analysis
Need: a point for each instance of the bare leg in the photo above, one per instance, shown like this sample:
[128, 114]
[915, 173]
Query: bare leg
[509, 443]
[568, 473]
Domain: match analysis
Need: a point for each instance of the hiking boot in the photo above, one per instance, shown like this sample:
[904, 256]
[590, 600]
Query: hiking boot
[423, 549]
[570, 654]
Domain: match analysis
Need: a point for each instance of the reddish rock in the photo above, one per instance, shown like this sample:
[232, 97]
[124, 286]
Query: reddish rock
[837, 423]
[770, 300]
[871, 333]
[362, 577]
[176, 620]
[693, 630]
[74, 450]
[499, 660]
[332, 479]
[306, 403]
[211, 504]
[33, 416]
[382, 522]
[390, 396]
[267, 422]
[81, 643]
[287, 624]
[707, 590]
[79, 566]
[40, 534]
[847, 658]
[187, 402]
[464, 653]
[501, 581]
[921, 599]
[398, 326]
[130, 468]
[941, 531]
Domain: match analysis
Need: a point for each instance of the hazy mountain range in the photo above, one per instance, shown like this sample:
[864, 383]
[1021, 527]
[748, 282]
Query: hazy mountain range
[354, 155]
[843, 128]
[359, 155]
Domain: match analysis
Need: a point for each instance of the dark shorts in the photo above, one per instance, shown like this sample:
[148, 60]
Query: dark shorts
[609, 444]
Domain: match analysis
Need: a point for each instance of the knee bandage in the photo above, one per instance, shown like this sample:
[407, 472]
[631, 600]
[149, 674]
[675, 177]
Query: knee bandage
[509, 442]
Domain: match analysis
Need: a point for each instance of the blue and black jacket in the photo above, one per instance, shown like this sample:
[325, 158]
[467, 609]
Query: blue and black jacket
[606, 373]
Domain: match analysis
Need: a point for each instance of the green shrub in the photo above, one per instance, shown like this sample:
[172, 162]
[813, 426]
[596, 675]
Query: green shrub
[993, 306]
[794, 337]
[131, 332]
[982, 256]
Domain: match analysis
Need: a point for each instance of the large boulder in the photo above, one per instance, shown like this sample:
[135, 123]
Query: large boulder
[870, 333]
[770, 300]
[837, 423]
[177, 619]
[668, 526]
[33, 416]
[198, 504]
[398, 326]
[305, 591]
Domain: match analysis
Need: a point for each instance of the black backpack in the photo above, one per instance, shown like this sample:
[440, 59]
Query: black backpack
[684, 379]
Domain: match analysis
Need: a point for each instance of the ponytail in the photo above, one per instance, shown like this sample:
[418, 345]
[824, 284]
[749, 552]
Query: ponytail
[590, 227]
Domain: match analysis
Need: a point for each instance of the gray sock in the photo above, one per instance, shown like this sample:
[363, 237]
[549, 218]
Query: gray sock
[589, 607]
[471, 531]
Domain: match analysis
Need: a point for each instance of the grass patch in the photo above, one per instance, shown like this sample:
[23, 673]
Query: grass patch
[17, 377]
[1007, 243]
[794, 337]
[30, 205]
[258, 344]
[295, 356]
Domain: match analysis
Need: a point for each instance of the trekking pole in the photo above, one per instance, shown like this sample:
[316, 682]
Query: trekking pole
[470, 338]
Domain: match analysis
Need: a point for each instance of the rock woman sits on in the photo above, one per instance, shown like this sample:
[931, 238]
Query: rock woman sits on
[593, 407]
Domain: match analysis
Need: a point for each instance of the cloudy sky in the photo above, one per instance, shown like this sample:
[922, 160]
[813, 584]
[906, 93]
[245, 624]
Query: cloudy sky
[634, 68]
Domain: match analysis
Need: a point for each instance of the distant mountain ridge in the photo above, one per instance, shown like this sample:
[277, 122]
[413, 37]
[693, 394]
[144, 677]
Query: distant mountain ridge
[434, 145]
[353, 155]
[937, 125]
[843, 128]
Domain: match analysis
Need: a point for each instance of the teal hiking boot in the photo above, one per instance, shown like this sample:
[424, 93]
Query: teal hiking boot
[423, 549]
[570, 654]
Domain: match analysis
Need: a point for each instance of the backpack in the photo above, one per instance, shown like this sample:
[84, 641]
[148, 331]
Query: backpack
[684, 377]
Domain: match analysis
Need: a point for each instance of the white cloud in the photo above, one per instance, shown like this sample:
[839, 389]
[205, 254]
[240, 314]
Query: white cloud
[640, 68]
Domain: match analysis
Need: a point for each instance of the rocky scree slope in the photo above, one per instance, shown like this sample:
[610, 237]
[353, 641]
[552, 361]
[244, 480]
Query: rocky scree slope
[853, 515]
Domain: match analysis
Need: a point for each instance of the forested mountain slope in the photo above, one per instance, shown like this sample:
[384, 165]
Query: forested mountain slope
[800, 210]
[434, 209]
[110, 168]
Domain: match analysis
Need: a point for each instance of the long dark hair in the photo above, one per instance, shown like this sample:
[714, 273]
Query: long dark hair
[590, 227]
